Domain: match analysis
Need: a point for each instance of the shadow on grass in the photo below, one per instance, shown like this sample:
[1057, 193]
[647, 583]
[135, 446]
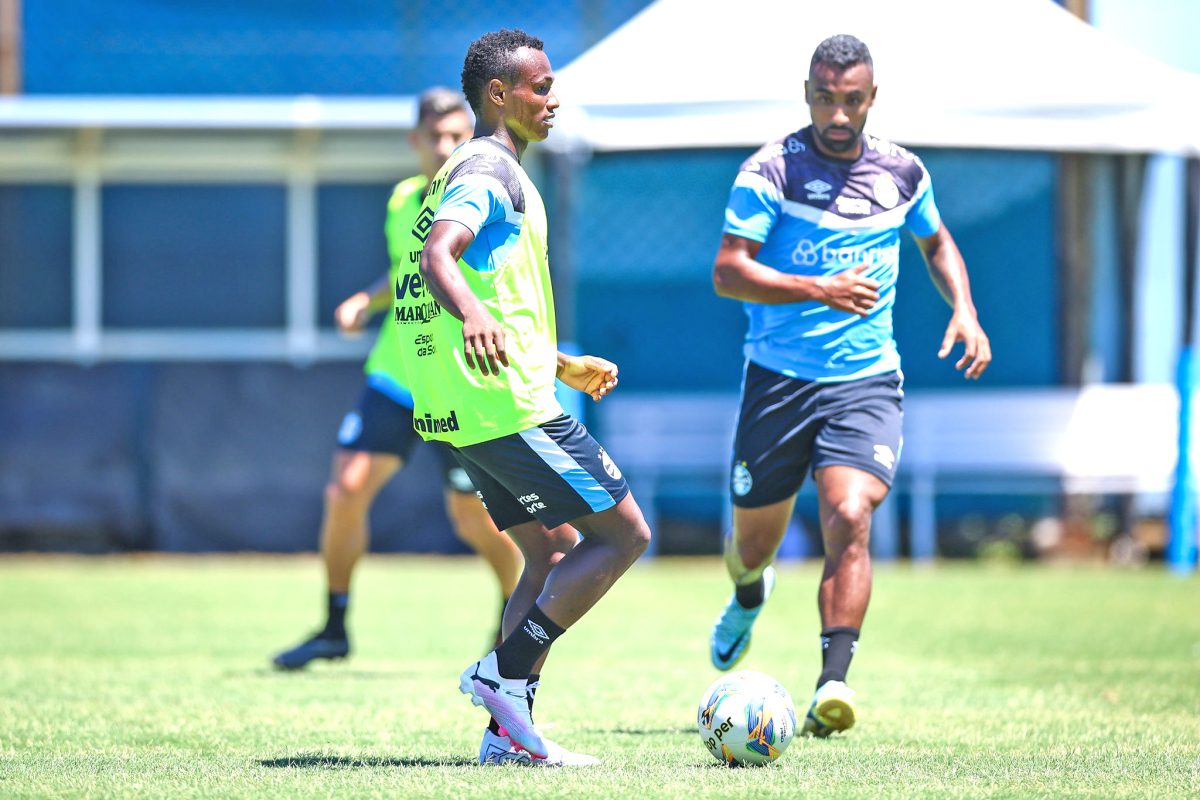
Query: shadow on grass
[652, 731]
[321, 674]
[317, 761]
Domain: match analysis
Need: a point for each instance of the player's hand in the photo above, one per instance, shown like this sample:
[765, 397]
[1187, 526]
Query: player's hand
[592, 375]
[352, 314]
[483, 343]
[977, 351]
[849, 290]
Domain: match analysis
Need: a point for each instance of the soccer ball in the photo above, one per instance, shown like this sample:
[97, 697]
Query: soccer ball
[746, 718]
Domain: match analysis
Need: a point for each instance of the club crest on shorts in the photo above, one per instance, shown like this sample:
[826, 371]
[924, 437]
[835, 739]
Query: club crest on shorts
[351, 428]
[741, 482]
[610, 466]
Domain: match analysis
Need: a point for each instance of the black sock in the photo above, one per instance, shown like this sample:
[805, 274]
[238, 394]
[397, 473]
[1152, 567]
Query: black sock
[751, 595]
[517, 654]
[335, 622]
[837, 648]
[531, 687]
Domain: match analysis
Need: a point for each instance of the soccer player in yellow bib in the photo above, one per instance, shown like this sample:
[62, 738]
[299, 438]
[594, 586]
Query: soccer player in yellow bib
[377, 438]
[476, 318]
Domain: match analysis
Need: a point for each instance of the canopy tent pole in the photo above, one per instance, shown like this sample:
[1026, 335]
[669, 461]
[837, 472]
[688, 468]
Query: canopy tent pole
[1181, 548]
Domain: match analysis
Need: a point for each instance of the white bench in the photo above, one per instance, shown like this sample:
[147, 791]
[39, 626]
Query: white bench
[658, 437]
[1111, 438]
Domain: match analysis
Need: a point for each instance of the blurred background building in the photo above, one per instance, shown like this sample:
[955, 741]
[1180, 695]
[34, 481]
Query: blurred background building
[188, 190]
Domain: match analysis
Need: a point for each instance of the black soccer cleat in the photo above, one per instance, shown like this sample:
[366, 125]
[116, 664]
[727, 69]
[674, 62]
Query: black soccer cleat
[318, 646]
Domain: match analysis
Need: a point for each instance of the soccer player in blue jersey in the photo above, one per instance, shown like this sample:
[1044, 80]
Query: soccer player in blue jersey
[811, 246]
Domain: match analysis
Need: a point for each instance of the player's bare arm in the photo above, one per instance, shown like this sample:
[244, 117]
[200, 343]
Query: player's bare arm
[353, 313]
[592, 375]
[483, 336]
[736, 274]
[949, 274]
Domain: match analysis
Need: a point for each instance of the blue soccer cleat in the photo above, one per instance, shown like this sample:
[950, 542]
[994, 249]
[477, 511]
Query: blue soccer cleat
[731, 632]
[316, 647]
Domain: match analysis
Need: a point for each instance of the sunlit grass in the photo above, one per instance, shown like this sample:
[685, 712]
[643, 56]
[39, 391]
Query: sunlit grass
[149, 677]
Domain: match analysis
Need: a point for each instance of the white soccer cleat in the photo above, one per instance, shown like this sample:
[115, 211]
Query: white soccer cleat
[499, 749]
[832, 710]
[731, 632]
[504, 698]
[496, 749]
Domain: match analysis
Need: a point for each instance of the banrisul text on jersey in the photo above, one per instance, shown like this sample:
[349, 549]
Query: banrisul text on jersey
[817, 216]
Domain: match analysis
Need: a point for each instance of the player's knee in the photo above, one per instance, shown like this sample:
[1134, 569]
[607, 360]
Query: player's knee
[345, 493]
[561, 540]
[539, 563]
[639, 539]
[851, 513]
[746, 570]
[542, 553]
[746, 559]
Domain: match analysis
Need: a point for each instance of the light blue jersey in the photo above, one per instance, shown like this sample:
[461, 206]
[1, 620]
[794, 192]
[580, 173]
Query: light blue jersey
[818, 216]
[484, 195]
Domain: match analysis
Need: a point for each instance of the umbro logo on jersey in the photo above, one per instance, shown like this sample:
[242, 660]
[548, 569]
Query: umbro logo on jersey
[423, 224]
[818, 189]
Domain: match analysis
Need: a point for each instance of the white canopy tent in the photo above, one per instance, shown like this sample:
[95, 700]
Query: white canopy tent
[1018, 74]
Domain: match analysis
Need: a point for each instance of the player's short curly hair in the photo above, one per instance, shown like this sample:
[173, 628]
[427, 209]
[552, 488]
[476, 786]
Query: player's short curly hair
[841, 52]
[493, 55]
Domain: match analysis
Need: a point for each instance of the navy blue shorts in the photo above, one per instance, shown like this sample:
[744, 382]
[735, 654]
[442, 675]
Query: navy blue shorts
[788, 426]
[381, 425]
[553, 473]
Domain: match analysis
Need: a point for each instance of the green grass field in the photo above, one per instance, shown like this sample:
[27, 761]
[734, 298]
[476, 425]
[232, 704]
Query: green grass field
[148, 677]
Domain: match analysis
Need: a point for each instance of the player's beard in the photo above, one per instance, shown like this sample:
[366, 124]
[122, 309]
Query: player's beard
[840, 145]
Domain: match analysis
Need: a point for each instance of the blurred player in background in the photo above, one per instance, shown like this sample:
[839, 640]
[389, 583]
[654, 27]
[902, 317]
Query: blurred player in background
[480, 349]
[811, 246]
[377, 438]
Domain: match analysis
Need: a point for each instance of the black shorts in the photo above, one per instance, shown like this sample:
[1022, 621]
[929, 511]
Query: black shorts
[788, 426]
[381, 425]
[554, 473]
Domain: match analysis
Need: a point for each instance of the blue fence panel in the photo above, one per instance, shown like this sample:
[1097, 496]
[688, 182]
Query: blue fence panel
[35, 256]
